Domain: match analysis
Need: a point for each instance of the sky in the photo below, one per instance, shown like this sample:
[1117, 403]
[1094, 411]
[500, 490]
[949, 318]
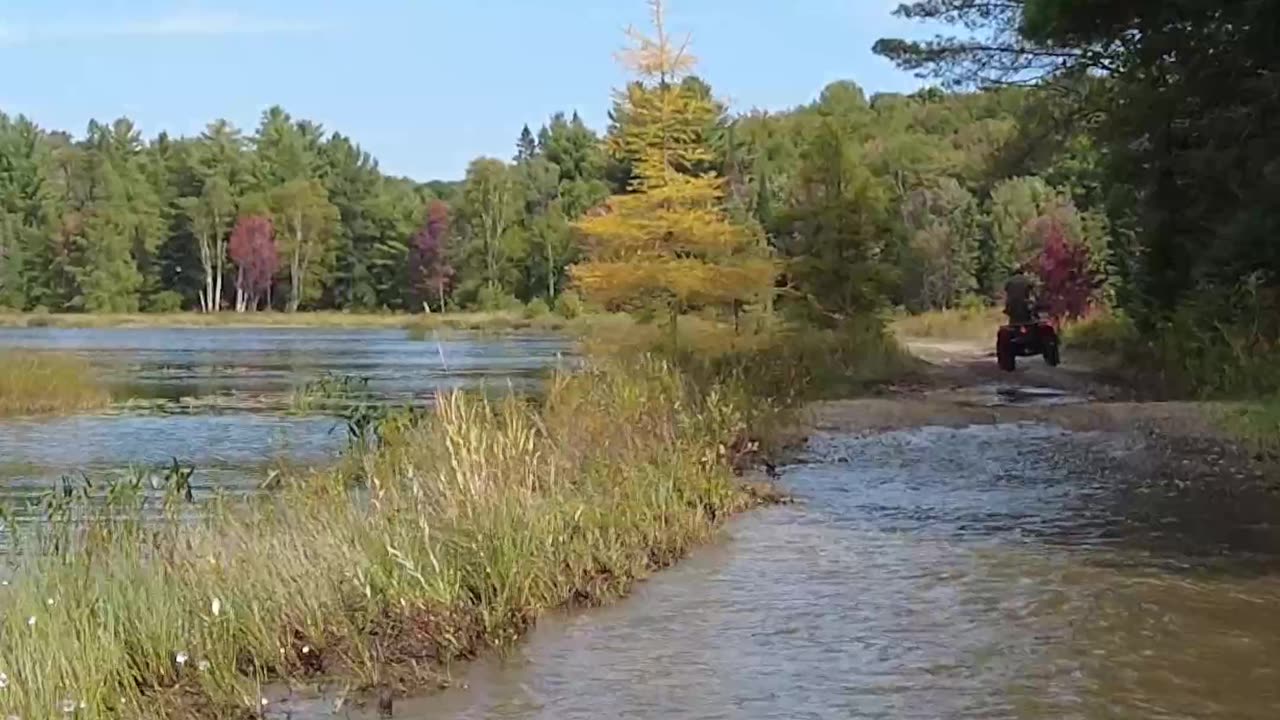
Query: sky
[423, 85]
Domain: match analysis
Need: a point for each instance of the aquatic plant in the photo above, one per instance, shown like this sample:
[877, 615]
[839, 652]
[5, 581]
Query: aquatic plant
[47, 382]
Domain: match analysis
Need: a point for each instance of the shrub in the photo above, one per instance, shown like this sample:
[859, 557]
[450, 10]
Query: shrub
[166, 301]
[569, 305]
[537, 308]
[495, 300]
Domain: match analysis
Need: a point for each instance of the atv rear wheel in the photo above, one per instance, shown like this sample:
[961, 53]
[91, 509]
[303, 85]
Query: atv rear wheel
[1005, 356]
[1051, 357]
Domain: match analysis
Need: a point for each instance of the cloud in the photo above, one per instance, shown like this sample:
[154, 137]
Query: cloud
[198, 23]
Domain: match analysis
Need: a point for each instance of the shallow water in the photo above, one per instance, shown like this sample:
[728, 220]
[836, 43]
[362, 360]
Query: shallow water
[986, 572]
[215, 398]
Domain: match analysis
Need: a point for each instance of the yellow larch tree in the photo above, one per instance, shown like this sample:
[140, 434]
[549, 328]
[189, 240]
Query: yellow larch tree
[669, 239]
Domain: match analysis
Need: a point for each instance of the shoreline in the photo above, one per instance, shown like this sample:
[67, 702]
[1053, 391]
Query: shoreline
[514, 320]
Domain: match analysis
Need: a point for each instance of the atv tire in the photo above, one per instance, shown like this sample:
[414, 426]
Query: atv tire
[1005, 357]
[1051, 356]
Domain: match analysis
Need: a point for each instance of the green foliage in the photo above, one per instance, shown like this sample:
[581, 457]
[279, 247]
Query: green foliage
[537, 308]
[569, 305]
[1159, 120]
[165, 301]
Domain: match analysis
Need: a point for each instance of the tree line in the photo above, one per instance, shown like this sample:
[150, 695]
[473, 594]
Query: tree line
[926, 200]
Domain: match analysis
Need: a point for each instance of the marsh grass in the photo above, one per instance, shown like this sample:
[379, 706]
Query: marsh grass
[33, 383]
[466, 524]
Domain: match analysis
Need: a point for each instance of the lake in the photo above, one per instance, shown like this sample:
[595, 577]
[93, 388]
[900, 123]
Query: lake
[219, 398]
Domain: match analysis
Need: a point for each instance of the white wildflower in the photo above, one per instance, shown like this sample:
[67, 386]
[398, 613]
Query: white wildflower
[181, 658]
[83, 705]
[48, 601]
[31, 621]
[216, 606]
[306, 649]
[68, 706]
[264, 702]
[4, 681]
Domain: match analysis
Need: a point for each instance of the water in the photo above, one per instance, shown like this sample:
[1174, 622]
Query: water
[215, 398]
[1014, 571]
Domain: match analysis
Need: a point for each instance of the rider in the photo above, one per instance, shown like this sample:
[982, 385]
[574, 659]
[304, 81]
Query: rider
[1018, 292]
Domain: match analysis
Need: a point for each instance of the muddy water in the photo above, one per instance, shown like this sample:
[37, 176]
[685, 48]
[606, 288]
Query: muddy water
[985, 572]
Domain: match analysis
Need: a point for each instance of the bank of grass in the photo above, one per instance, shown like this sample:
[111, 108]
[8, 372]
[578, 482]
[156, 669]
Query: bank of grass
[37, 383]
[452, 537]
[961, 324]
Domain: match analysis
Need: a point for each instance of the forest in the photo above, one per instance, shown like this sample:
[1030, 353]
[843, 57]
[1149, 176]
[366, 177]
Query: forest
[1103, 148]
[909, 198]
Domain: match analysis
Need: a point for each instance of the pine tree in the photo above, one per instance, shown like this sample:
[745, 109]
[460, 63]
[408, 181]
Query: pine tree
[526, 146]
[669, 239]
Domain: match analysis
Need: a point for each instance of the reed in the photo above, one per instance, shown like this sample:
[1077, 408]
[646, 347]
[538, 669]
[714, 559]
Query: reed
[33, 383]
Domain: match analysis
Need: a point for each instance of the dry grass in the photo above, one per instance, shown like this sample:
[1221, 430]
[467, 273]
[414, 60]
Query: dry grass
[977, 324]
[34, 383]
[476, 520]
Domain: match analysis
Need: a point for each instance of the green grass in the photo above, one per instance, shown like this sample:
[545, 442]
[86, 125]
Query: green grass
[1255, 424]
[34, 383]
[968, 324]
[478, 519]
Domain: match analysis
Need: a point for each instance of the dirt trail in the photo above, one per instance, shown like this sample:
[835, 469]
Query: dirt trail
[961, 385]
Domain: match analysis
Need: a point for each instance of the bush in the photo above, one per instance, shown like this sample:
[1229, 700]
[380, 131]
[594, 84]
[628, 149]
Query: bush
[166, 301]
[494, 300]
[537, 308]
[569, 305]
[1102, 331]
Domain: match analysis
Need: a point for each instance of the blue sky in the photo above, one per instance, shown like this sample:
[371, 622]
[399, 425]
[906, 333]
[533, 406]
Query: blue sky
[424, 85]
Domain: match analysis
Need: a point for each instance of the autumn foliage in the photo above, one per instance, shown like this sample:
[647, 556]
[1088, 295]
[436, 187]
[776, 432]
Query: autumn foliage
[430, 273]
[668, 241]
[253, 250]
[1067, 284]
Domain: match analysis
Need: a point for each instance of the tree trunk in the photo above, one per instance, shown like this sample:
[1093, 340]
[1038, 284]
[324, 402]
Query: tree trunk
[206, 264]
[551, 274]
[219, 252]
[295, 268]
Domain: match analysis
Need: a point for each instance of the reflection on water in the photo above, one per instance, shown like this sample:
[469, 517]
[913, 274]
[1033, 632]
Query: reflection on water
[232, 384]
[995, 572]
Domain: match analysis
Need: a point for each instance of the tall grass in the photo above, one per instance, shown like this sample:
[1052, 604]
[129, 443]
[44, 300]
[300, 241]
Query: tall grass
[466, 524]
[47, 382]
[979, 323]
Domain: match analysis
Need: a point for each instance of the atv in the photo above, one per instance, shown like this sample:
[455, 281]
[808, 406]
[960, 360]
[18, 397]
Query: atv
[1024, 339]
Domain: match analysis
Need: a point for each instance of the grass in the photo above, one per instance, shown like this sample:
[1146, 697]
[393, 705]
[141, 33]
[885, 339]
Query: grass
[478, 518]
[967, 324]
[453, 535]
[1256, 424]
[1104, 332]
[34, 383]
